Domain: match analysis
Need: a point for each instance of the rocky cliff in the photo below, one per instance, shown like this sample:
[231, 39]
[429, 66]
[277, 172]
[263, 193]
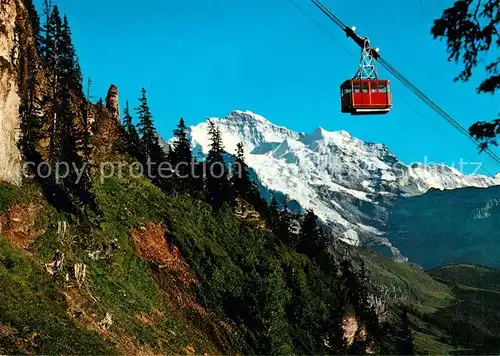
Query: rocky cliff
[11, 14]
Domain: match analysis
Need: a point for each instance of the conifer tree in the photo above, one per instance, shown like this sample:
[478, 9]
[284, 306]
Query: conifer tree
[364, 276]
[64, 74]
[284, 232]
[78, 78]
[121, 143]
[243, 187]
[355, 291]
[182, 148]
[337, 344]
[218, 186]
[181, 159]
[272, 215]
[311, 239]
[152, 154]
[150, 145]
[133, 141]
[51, 53]
[53, 37]
[69, 67]
[350, 282]
[68, 144]
[77, 183]
[198, 180]
[274, 297]
[169, 153]
[46, 35]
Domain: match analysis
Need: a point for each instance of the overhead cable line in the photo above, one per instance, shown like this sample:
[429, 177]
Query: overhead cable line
[350, 32]
[322, 28]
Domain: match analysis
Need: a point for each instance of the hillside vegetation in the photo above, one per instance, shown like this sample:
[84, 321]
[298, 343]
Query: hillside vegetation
[226, 286]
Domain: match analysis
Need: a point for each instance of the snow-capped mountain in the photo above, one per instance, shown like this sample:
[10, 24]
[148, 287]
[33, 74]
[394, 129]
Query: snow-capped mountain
[251, 129]
[348, 183]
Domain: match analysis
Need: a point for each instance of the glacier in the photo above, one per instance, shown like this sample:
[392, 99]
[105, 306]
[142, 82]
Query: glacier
[349, 184]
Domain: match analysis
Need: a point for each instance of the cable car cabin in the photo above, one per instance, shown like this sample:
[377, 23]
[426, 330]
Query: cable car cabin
[365, 97]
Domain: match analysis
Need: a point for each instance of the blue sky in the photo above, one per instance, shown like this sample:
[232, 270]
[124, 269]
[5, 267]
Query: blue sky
[205, 58]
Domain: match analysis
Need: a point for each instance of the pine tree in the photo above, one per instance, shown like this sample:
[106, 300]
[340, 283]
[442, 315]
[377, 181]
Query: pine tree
[68, 144]
[274, 297]
[272, 215]
[243, 187]
[77, 184]
[218, 186]
[64, 72]
[133, 141]
[311, 239]
[355, 292]
[78, 78]
[182, 160]
[153, 155]
[53, 37]
[150, 145]
[121, 143]
[70, 71]
[198, 181]
[364, 275]
[47, 32]
[350, 283]
[284, 228]
[51, 53]
[337, 344]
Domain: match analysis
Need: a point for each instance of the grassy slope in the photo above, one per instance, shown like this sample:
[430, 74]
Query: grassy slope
[469, 275]
[420, 293]
[124, 286]
[32, 312]
[30, 300]
[477, 289]
[121, 283]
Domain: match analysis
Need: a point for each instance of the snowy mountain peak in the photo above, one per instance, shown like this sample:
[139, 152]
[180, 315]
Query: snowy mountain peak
[317, 135]
[348, 183]
[241, 126]
[320, 134]
[246, 116]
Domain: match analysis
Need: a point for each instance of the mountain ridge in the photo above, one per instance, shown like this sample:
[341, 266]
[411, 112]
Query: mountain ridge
[348, 182]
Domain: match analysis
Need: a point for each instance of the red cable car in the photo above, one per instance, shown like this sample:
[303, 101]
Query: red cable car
[363, 97]
[365, 94]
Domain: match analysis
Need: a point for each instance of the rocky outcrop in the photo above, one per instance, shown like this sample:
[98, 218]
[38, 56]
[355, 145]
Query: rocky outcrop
[10, 158]
[248, 213]
[112, 102]
[104, 121]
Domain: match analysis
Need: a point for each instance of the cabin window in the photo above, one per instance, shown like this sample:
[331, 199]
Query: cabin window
[356, 87]
[382, 87]
[365, 87]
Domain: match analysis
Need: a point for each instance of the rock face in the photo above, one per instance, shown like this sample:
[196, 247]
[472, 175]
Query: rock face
[112, 102]
[10, 158]
[104, 122]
